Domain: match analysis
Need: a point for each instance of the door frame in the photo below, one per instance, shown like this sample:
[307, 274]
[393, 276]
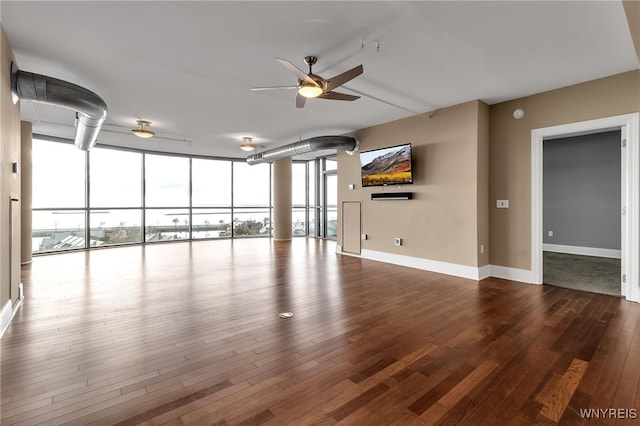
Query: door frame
[629, 125]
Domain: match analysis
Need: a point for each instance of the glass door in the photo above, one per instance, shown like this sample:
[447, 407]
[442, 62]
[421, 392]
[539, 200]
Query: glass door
[330, 205]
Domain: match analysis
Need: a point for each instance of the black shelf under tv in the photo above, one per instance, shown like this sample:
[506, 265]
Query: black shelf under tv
[383, 196]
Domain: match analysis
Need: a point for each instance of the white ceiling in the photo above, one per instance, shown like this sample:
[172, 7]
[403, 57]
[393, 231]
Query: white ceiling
[188, 67]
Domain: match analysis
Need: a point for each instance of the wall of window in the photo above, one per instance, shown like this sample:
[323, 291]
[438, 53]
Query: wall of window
[315, 197]
[299, 199]
[312, 206]
[252, 200]
[111, 196]
[167, 198]
[211, 198]
[329, 198]
[115, 196]
[60, 215]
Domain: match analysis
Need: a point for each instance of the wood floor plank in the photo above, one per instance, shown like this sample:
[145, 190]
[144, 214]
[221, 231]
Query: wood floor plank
[403, 391]
[188, 333]
[555, 402]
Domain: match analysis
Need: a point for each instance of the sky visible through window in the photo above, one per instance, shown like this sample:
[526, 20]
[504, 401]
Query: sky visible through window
[109, 207]
[174, 196]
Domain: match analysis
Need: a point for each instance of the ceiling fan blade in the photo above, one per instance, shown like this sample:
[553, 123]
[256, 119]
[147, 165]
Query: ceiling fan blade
[297, 71]
[300, 100]
[257, 89]
[338, 96]
[341, 79]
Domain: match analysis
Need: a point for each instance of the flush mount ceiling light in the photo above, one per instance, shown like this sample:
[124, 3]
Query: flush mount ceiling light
[247, 144]
[143, 132]
[310, 91]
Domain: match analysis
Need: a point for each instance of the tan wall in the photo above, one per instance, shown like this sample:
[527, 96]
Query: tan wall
[9, 182]
[510, 152]
[26, 172]
[282, 199]
[632, 12]
[483, 183]
[442, 221]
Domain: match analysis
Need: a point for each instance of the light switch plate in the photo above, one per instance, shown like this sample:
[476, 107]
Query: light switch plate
[502, 204]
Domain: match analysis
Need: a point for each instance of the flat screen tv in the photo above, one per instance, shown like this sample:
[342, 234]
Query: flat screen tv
[386, 166]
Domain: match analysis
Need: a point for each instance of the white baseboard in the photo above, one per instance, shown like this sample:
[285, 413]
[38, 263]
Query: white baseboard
[512, 274]
[339, 248]
[456, 270]
[484, 272]
[9, 310]
[462, 271]
[583, 251]
[5, 316]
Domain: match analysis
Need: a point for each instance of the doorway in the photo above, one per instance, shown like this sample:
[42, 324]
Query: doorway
[628, 125]
[323, 204]
[582, 195]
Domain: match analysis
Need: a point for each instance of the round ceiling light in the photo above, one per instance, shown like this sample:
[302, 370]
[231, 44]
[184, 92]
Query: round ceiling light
[310, 91]
[247, 144]
[143, 132]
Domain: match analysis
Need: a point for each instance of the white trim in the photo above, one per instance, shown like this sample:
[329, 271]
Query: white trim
[339, 248]
[9, 311]
[5, 316]
[583, 251]
[630, 232]
[453, 269]
[630, 235]
[484, 272]
[346, 253]
[456, 270]
[513, 274]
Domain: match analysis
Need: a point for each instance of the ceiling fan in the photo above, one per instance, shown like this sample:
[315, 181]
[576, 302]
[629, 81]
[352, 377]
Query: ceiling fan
[313, 86]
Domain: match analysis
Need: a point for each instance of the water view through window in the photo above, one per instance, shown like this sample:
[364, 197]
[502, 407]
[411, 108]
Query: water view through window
[112, 196]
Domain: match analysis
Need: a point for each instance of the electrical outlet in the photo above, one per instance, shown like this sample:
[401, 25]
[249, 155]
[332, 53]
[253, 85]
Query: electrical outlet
[397, 241]
[481, 248]
[502, 204]
[550, 233]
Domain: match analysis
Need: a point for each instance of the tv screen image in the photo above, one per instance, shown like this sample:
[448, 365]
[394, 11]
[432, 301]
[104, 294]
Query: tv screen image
[386, 166]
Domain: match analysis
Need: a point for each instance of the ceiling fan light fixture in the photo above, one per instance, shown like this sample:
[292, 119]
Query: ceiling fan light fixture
[143, 132]
[309, 91]
[247, 144]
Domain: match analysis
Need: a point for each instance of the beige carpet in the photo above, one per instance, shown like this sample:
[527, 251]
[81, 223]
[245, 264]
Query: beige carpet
[585, 273]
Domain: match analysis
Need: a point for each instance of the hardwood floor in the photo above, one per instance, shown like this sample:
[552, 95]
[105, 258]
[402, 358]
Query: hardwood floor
[189, 334]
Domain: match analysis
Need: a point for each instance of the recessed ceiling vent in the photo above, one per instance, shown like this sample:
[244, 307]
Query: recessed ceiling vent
[320, 143]
[91, 110]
